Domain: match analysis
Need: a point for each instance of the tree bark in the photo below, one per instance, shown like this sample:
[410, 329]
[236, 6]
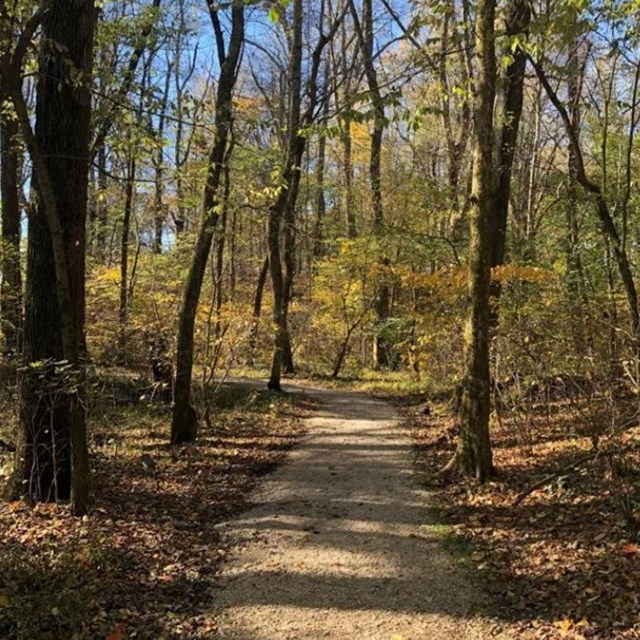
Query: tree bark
[346, 139]
[123, 309]
[517, 22]
[282, 211]
[474, 455]
[158, 206]
[52, 460]
[102, 210]
[184, 423]
[11, 289]
[575, 285]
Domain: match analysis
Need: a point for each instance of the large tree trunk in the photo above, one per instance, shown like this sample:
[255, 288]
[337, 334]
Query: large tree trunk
[474, 451]
[184, 424]
[52, 457]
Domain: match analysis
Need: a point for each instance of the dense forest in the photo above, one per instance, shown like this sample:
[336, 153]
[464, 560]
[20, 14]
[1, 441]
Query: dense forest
[432, 200]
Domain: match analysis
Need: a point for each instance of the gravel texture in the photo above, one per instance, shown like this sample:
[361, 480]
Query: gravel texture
[341, 542]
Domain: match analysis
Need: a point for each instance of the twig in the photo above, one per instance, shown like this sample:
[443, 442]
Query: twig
[553, 476]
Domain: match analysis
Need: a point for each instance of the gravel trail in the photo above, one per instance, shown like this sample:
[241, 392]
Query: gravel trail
[341, 542]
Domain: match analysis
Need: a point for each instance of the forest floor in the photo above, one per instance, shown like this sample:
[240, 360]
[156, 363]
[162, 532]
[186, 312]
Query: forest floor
[343, 543]
[555, 535]
[144, 564]
[356, 535]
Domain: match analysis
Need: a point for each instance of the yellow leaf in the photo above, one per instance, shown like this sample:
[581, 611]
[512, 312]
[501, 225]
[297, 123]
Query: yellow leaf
[564, 626]
[4, 600]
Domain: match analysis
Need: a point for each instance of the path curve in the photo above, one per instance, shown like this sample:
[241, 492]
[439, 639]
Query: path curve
[341, 543]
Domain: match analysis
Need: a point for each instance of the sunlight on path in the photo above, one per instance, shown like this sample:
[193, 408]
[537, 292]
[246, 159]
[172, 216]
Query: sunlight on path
[339, 543]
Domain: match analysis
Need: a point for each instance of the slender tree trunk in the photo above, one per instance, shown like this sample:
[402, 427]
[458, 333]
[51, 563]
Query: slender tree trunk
[607, 222]
[158, 206]
[184, 424]
[474, 451]
[575, 286]
[257, 311]
[517, 22]
[220, 249]
[282, 212]
[52, 456]
[346, 139]
[347, 167]
[123, 309]
[102, 210]
[321, 201]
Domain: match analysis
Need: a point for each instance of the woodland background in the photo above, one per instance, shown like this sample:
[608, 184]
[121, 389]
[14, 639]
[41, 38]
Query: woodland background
[427, 198]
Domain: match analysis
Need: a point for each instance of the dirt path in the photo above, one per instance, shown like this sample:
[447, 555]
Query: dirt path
[339, 543]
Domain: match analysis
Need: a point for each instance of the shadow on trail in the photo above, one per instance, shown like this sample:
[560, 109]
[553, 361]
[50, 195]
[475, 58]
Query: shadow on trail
[344, 528]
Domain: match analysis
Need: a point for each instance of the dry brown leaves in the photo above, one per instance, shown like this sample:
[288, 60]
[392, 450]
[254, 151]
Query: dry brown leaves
[144, 563]
[562, 563]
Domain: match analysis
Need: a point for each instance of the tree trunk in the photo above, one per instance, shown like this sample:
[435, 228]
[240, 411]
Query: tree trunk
[321, 201]
[575, 285]
[158, 206]
[102, 210]
[607, 222]
[52, 459]
[123, 309]
[220, 251]
[282, 212]
[474, 451]
[257, 311]
[347, 162]
[517, 22]
[346, 139]
[184, 423]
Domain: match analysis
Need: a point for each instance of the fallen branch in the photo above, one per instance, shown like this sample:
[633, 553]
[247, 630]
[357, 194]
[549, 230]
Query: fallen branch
[552, 476]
